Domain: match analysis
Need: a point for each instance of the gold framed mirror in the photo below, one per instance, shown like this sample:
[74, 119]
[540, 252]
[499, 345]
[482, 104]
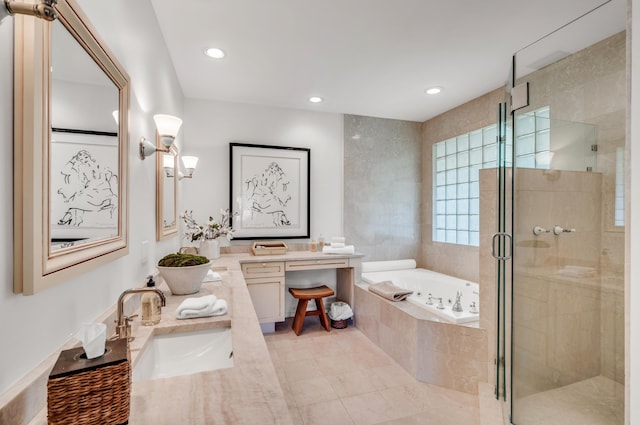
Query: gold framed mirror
[167, 173]
[70, 150]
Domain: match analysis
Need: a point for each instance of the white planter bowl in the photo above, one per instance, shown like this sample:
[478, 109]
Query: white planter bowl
[184, 280]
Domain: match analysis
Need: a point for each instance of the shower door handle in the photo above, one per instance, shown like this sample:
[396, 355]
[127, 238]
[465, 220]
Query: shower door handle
[501, 237]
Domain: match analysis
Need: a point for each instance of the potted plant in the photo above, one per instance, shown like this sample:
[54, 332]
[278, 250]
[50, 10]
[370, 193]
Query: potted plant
[207, 234]
[184, 273]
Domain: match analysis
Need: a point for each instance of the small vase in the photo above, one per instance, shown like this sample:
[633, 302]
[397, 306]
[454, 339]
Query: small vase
[209, 248]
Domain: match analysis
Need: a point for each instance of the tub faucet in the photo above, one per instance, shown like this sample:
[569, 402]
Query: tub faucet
[457, 306]
[123, 323]
[473, 308]
[430, 299]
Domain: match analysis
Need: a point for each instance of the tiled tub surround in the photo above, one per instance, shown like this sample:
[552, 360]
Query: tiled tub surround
[247, 393]
[436, 352]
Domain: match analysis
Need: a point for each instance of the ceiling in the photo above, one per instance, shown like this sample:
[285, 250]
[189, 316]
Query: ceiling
[364, 57]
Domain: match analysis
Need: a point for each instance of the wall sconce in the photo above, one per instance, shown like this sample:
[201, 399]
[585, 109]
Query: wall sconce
[190, 163]
[168, 127]
[44, 10]
[167, 164]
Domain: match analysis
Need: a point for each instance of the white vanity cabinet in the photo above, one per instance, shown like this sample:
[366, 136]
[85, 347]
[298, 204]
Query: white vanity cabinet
[265, 282]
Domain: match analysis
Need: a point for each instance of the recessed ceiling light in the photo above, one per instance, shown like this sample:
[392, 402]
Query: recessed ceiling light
[214, 53]
[315, 99]
[433, 90]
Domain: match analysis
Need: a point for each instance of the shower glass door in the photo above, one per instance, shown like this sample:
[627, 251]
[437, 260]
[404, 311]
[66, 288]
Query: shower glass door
[565, 323]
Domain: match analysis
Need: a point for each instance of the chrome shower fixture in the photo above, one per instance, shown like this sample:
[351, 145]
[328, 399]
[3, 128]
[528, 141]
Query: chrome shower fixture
[537, 230]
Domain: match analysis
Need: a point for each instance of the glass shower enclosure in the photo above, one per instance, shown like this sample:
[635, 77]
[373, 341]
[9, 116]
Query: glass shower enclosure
[560, 239]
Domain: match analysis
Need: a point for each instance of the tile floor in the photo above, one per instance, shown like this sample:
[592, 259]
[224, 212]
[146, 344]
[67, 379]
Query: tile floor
[594, 401]
[342, 378]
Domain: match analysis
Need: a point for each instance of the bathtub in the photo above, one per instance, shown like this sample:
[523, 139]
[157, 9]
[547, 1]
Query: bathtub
[432, 291]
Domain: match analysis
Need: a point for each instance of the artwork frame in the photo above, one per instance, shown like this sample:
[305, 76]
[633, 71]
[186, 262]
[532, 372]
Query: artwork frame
[270, 191]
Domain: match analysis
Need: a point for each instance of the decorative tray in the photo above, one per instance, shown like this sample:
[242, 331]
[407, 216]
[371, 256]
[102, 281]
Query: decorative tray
[269, 248]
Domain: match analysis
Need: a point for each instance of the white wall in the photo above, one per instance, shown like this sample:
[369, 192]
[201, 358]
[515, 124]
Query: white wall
[210, 126]
[33, 327]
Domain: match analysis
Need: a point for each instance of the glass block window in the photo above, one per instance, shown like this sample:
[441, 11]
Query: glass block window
[456, 179]
[619, 207]
[533, 139]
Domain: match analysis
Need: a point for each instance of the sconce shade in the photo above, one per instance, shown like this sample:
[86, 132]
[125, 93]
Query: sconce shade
[168, 127]
[167, 161]
[190, 162]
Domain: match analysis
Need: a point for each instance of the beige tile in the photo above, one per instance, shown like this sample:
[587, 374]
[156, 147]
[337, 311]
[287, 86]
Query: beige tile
[301, 369]
[296, 419]
[354, 383]
[336, 364]
[367, 409]
[310, 391]
[326, 412]
[393, 375]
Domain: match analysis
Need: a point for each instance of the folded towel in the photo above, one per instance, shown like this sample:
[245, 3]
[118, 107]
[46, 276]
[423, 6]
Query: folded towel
[337, 245]
[219, 308]
[349, 249]
[389, 291]
[212, 277]
[337, 239]
[196, 307]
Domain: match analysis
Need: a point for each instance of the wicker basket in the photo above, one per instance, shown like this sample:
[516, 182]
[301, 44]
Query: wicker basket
[96, 391]
[339, 324]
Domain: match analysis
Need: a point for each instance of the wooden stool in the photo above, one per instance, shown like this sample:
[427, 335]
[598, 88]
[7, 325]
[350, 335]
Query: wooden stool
[303, 296]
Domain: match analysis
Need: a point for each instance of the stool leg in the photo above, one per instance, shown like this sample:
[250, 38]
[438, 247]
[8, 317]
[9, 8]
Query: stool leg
[323, 314]
[298, 320]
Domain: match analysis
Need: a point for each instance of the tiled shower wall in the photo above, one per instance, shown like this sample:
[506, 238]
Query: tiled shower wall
[382, 181]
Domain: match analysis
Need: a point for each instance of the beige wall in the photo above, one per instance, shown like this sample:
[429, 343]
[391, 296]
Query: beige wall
[455, 260]
[382, 181]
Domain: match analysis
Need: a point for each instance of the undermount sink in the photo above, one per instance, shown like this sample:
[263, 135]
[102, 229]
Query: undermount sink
[185, 353]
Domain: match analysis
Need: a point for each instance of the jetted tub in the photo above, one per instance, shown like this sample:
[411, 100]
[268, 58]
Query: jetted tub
[429, 288]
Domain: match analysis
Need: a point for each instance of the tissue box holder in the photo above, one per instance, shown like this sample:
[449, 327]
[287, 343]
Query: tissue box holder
[96, 391]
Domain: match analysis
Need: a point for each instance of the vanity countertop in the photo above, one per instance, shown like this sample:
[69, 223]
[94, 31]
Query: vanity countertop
[247, 393]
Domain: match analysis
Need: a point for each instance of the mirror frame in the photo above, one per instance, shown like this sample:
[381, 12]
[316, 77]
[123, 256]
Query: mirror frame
[166, 232]
[36, 265]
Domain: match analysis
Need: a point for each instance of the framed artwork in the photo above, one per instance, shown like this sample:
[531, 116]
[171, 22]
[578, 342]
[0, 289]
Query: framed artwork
[84, 186]
[269, 191]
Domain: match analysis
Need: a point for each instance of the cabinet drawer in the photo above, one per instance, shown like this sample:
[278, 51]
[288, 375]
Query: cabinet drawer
[328, 263]
[264, 269]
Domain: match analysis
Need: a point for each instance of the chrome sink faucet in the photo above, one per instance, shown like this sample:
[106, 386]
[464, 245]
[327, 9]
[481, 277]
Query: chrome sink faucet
[123, 323]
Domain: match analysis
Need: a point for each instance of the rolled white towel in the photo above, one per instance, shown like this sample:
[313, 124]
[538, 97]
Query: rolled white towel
[196, 307]
[219, 308]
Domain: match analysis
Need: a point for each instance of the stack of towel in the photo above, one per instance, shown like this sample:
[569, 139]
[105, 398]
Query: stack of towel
[208, 305]
[338, 247]
[390, 291]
